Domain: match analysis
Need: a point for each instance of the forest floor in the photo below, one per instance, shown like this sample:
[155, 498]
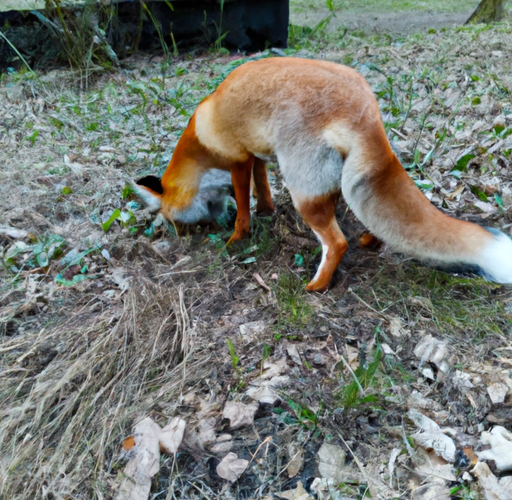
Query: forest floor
[386, 386]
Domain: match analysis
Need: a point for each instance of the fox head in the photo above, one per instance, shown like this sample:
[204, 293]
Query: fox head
[209, 204]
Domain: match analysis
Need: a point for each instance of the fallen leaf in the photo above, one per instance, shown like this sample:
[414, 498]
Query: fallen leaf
[493, 488]
[253, 330]
[296, 459]
[206, 430]
[430, 436]
[143, 464]
[497, 392]
[171, 435]
[265, 391]
[223, 444]
[239, 414]
[260, 281]
[500, 441]
[396, 327]
[298, 493]
[231, 467]
[271, 370]
[331, 461]
[12, 232]
[432, 491]
[293, 352]
[432, 350]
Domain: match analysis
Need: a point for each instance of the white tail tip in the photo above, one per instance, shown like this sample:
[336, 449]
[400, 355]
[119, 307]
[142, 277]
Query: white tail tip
[496, 259]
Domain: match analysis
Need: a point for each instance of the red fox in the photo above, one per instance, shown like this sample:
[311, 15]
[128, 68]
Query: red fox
[322, 123]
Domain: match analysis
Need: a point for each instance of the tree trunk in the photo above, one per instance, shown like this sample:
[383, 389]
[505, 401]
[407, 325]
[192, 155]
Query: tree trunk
[487, 11]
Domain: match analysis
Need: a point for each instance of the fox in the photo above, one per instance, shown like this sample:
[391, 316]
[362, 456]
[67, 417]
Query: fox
[322, 123]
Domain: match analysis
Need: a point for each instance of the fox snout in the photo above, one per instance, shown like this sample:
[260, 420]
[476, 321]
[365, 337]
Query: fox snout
[209, 204]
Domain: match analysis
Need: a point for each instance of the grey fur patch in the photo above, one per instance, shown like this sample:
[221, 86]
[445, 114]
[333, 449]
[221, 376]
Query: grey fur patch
[210, 204]
[362, 182]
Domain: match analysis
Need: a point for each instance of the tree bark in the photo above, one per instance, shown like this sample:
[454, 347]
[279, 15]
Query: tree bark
[487, 11]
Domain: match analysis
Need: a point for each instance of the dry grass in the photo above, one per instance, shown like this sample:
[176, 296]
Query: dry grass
[71, 390]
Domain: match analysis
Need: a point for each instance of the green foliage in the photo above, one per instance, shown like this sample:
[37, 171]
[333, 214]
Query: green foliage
[364, 376]
[127, 191]
[38, 254]
[293, 309]
[32, 138]
[234, 358]
[303, 415]
[125, 217]
[83, 41]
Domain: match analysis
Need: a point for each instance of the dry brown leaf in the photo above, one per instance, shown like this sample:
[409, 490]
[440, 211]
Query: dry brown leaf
[331, 461]
[492, 487]
[206, 431]
[171, 435]
[497, 392]
[396, 327]
[432, 491]
[239, 414]
[143, 464]
[298, 493]
[430, 349]
[260, 281]
[223, 444]
[231, 467]
[352, 356]
[12, 232]
[274, 369]
[430, 436]
[294, 354]
[265, 391]
[296, 459]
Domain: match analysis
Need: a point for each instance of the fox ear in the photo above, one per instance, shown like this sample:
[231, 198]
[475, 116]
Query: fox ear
[150, 189]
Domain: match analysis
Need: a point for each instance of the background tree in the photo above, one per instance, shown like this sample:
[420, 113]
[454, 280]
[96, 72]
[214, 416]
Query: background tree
[487, 11]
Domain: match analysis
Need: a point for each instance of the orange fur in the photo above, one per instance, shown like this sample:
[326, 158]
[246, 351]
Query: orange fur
[319, 119]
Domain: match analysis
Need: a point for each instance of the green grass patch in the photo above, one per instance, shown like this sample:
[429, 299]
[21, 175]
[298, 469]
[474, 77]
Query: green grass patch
[454, 304]
[293, 308]
[382, 5]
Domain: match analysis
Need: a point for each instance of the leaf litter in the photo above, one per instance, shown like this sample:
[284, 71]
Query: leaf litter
[386, 371]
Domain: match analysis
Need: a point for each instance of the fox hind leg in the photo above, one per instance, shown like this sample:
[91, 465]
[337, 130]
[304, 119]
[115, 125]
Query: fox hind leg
[319, 214]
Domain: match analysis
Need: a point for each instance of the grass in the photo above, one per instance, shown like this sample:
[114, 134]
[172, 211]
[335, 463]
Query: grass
[298, 6]
[447, 303]
[293, 309]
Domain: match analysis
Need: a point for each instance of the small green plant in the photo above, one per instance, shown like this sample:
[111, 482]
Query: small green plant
[32, 138]
[127, 191]
[363, 377]
[303, 416]
[293, 309]
[234, 361]
[125, 217]
[266, 353]
[234, 358]
[217, 45]
[38, 254]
